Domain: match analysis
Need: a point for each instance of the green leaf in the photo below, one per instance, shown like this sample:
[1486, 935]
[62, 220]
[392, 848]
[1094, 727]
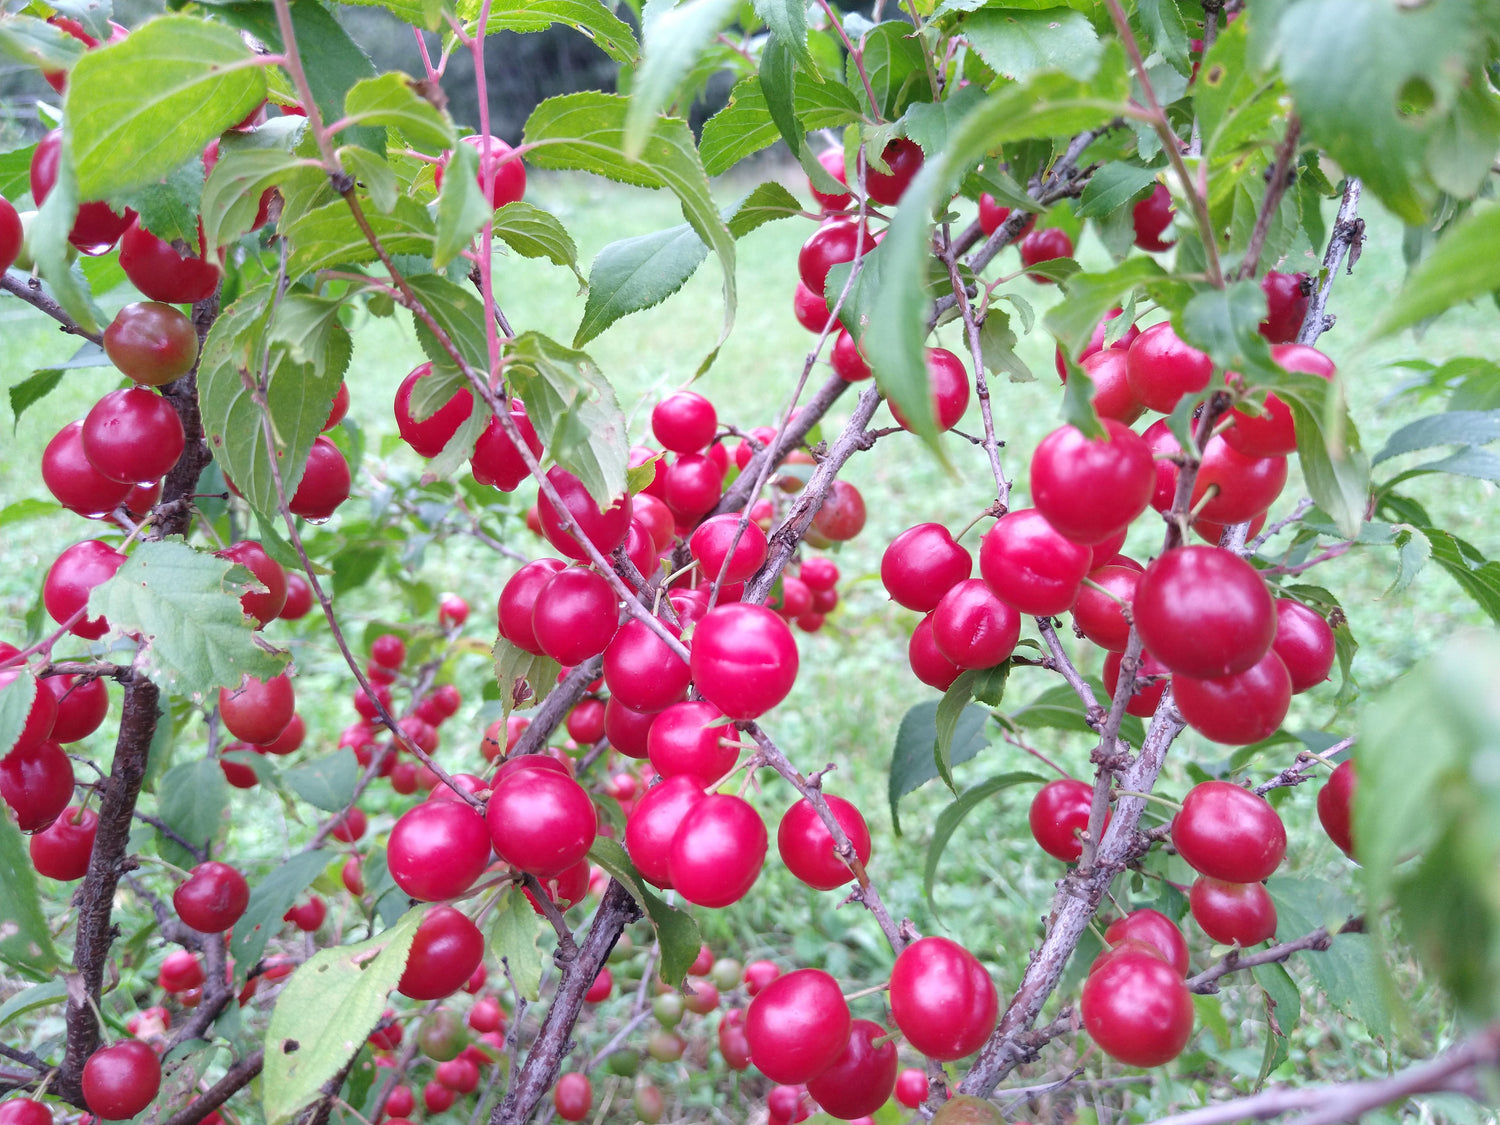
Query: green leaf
[191, 798]
[356, 564]
[767, 203]
[1162, 21]
[169, 207]
[23, 510]
[373, 174]
[589, 17]
[186, 607]
[533, 233]
[574, 410]
[25, 941]
[140, 107]
[930, 124]
[744, 126]
[391, 101]
[1019, 44]
[950, 818]
[913, 762]
[893, 64]
[306, 371]
[31, 390]
[585, 132]
[1464, 266]
[675, 929]
[1090, 296]
[16, 699]
[249, 163]
[1337, 474]
[36, 43]
[47, 239]
[30, 999]
[459, 312]
[997, 347]
[1113, 185]
[787, 20]
[1479, 578]
[524, 678]
[1058, 708]
[778, 83]
[1225, 323]
[1283, 1012]
[515, 936]
[1453, 427]
[638, 273]
[15, 170]
[1413, 550]
[327, 782]
[461, 207]
[954, 709]
[674, 38]
[328, 236]
[1234, 101]
[323, 1015]
[270, 898]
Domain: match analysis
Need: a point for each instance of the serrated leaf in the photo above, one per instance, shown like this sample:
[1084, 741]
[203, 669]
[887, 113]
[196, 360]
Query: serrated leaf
[25, 940]
[997, 347]
[953, 709]
[676, 931]
[778, 84]
[638, 273]
[1479, 578]
[249, 164]
[168, 208]
[459, 312]
[589, 17]
[373, 174]
[574, 410]
[674, 38]
[951, 817]
[270, 898]
[787, 20]
[744, 126]
[1283, 1012]
[767, 203]
[892, 60]
[533, 233]
[1337, 473]
[461, 207]
[1225, 323]
[1453, 427]
[585, 132]
[36, 43]
[1019, 43]
[913, 763]
[515, 937]
[324, 1013]
[327, 782]
[1165, 29]
[391, 101]
[328, 236]
[1234, 101]
[1112, 186]
[1413, 549]
[31, 390]
[191, 798]
[185, 607]
[525, 679]
[140, 107]
[30, 999]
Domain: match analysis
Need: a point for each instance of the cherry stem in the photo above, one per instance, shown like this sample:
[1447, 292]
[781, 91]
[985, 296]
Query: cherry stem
[1175, 806]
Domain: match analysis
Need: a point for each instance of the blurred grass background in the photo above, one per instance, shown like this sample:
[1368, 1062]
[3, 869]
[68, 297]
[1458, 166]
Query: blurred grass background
[855, 686]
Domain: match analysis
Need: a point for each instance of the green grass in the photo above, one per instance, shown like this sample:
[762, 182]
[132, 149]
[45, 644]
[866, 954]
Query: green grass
[855, 686]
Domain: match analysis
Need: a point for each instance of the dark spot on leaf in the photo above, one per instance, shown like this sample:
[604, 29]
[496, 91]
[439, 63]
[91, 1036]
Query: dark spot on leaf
[290, 1046]
[1215, 76]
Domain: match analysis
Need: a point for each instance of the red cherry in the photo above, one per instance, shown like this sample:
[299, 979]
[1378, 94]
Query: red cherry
[1204, 612]
[1233, 913]
[811, 309]
[653, 824]
[1089, 489]
[992, 215]
[586, 722]
[717, 851]
[685, 422]
[1154, 929]
[820, 573]
[1246, 486]
[36, 781]
[1164, 446]
[807, 846]
[509, 173]
[97, 227]
[1031, 565]
[942, 999]
[575, 615]
[1096, 343]
[788, 1105]
[912, 1086]
[1286, 305]
[1137, 1008]
[973, 628]
[1335, 805]
[1273, 432]
[690, 738]
[758, 974]
[257, 712]
[842, 515]
[517, 606]
[797, 1026]
[24, 1111]
[352, 875]
[299, 598]
[388, 650]
[922, 564]
[1100, 616]
[1305, 644]
[12, 237]
[1240, 708]
[460, 1075]
[927, 663]
[1162, 369]
[744, 659]
[627, 730]
[795, 598]
[151, 342]
[1229, 833]
[1113, 397]
[436, 1097]
[162, 272]
[446, 950]
[181, 971]
[948, 381]
[75, 483]
[606, 530]
[1152, 217]
[325, 482]
[42, 715]
[861, 1078]
[832, 160]
[1059, 812]
[496, 461]
[431, 434]
[836, 241]
[307, 916]
[453, 611]
[61, 850]
[265, 605]
[641, 671]
[438, 849]
[692, 486]
[1045, 245]
[212, 898]
[848, 359]
[710, 544]
[904, 159]
[540, 821]
[72, 578]
[573, 1096]
[121, 1080]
